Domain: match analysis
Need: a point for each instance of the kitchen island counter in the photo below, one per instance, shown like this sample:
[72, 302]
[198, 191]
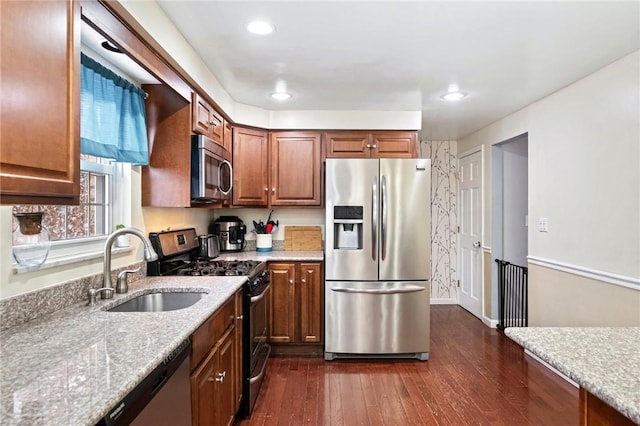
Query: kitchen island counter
[72, 366]
[604, 361]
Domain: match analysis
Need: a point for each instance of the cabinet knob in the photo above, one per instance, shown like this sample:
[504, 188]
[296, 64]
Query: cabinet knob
[303, 280]
[266, 190]
[239, 318]
[374, 146]
[219, 378]
[368, 145]
[273, 190]
[291, 282]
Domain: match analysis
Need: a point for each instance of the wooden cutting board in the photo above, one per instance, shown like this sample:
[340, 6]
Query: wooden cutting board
[302, 238]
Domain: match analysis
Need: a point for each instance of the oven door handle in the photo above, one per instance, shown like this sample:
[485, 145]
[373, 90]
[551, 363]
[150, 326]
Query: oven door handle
[256, 299]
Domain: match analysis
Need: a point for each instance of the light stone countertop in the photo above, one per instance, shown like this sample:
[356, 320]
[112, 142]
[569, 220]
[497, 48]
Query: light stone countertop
[70, 367]
[603, 360]
[275, 256]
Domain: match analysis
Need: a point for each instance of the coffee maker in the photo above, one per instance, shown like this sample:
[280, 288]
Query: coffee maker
[230, 231]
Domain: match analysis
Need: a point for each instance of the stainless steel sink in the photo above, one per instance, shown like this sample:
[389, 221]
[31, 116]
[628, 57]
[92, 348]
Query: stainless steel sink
[159, 302]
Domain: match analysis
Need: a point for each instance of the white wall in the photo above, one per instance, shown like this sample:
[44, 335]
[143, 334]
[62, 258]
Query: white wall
[584, 174]
[514, 205]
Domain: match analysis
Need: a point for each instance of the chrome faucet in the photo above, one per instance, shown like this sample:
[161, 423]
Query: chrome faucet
[149, 255]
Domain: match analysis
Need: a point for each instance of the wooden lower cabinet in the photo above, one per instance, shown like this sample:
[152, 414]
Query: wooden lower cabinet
[595, 412]
[216, 372]
[295, 307]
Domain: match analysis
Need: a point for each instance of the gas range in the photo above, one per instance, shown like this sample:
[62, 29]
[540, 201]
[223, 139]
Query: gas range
[179, 254]
[217, 267]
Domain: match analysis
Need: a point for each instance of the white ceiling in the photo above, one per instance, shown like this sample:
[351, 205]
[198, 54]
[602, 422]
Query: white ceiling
[391, 55]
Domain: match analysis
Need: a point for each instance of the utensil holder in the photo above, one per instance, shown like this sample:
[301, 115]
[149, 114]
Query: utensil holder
[263, 242]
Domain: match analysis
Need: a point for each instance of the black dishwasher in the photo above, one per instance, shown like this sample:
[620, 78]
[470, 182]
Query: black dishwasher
[162, 398]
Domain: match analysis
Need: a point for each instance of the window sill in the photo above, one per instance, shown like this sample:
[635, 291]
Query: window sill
[68, 260]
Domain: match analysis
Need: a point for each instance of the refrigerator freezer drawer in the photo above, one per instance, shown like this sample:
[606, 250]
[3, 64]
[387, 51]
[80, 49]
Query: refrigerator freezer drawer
[377, 319]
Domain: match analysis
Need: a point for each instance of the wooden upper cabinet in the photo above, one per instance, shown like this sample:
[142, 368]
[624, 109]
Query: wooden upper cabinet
[40, 71]
[348, 144]
[363, 144]
[394, 145]
[250, 167]
[296, 169]
[206, 120]
[227, 136]
[166, 181]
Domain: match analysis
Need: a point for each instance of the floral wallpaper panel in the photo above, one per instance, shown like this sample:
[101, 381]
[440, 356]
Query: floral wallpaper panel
[444, 217]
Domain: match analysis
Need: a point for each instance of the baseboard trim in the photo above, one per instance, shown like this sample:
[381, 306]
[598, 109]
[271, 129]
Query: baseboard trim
[491, 323]
[607, 277]
[546, 364]
[449, 301]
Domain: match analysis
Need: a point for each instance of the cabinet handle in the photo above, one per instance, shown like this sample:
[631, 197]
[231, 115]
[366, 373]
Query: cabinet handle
[368, 145]
[375, 146]
[239, 318]
[273, 190]
[266, 190]
[303, 280]
[220, 378]
[291, 282]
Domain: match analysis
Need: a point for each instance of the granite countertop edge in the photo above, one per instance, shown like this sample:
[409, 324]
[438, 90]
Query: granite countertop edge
[605, 361]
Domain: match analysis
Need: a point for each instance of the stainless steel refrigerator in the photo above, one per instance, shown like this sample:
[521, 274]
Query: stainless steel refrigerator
[377, 258]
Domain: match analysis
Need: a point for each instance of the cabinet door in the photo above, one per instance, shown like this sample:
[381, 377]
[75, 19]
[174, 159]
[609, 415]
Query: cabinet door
[201, 115]
[225, 380]
[203, 391]
[296, 165]
[347, 144]
[40, 102]
[394, 145]
[282, 307]
[250, 167]
[310, 284]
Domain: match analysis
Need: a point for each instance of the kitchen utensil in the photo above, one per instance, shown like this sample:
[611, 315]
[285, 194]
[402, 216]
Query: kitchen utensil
[269, 228]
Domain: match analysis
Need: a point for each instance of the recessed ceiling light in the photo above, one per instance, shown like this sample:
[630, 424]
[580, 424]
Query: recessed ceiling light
[281, 96]
[260, 27]
[453, 96]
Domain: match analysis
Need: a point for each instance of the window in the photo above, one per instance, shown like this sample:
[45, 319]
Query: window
[93, 217]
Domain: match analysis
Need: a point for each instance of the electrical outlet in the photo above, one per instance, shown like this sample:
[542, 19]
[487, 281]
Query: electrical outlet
[543, 224]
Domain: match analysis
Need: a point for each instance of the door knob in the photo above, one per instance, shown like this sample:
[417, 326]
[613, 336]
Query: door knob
[476, 244]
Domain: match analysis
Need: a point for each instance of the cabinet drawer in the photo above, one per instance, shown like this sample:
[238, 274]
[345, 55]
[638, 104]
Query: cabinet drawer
[206, 336]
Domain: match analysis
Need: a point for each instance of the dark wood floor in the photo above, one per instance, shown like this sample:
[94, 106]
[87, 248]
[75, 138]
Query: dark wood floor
[475, 376]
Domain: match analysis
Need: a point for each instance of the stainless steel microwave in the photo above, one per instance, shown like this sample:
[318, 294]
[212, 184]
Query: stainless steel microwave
[211, 171]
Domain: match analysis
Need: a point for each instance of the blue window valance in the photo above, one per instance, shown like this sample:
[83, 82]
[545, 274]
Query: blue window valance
[112, 115]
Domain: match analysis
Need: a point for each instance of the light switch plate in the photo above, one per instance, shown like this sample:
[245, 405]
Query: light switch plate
[543, 224]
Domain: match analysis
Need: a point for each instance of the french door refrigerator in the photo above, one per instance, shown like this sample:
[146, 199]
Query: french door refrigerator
[377, 258]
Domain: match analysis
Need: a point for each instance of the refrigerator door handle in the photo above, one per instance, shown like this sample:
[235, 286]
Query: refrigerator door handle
[408, 289]
[383, 189]
[374, 218]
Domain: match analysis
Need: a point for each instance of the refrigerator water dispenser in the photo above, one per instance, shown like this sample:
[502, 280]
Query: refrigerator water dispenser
[347, 222]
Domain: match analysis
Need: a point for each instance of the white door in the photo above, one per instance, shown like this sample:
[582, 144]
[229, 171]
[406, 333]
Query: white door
[470, 295]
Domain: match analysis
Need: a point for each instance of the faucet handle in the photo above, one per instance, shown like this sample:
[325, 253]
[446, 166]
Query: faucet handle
[92, 293]
[121, 284]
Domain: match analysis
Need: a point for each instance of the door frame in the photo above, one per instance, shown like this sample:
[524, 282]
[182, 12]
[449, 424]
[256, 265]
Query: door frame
[479, 149]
